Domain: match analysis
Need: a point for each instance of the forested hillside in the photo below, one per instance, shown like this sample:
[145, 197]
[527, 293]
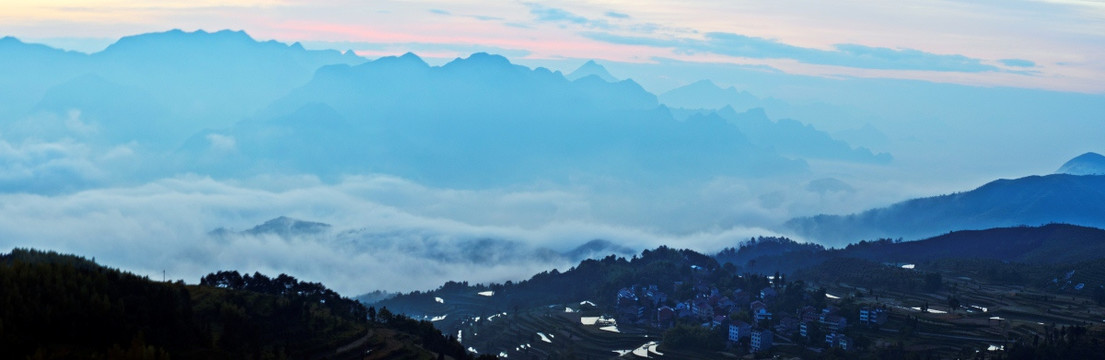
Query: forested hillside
[63, 307]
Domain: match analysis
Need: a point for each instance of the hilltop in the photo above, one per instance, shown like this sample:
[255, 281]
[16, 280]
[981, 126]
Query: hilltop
[1032, 200]
[1086, 164]
[64, 306]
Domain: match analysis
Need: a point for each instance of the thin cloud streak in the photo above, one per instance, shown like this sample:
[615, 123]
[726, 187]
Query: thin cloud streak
[843, 55]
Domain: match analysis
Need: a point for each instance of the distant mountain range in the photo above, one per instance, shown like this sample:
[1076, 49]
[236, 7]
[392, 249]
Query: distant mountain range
[1033, 200]
[226, 105]
[793, 138]
[479, 121]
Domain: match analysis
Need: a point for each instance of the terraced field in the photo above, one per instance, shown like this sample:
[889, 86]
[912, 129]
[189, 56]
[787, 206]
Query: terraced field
[489, 324]
[988, 317]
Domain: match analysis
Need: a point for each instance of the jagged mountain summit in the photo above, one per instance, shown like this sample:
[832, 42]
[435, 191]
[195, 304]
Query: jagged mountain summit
[591, 68]
[793, 138]
[479, 120]
[1086, 164]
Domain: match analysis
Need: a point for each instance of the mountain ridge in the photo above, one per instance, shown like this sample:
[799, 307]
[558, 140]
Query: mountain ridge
[1031, 200]
[483, 119]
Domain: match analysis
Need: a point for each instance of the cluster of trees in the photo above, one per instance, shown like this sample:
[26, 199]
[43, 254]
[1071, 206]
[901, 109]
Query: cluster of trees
[765, 254]
[286, 286]
[64, 306]
[60, 306]
[691, 336]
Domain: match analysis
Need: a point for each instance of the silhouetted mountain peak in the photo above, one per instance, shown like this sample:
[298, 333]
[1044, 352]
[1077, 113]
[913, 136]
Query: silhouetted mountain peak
[177, 37]
[727, 111]
[829, 185]
[288, 226]
[408, 60]
[705, 94]
[597, 248]
[704, 84]
[1086, 164]
[211, 46]
[480, 60]
[591, 68]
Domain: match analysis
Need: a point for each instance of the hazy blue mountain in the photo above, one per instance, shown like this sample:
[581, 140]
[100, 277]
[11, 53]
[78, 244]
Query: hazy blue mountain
[793, 138]
[848, 123]
[226, 74]
[829, 185]
[281, 226]
[28, 70]
[704, 94]
[790, 137]
[1086, 164]
[286, 226]
[591, 68]
[477, 121]
[1032, 200]
[113, 113]
[195, 80]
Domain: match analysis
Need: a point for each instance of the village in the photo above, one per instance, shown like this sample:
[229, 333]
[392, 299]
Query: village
[663, 305]
[753, 319]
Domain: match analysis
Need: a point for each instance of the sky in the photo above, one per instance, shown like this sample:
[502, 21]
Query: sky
[891, 72]
[1040, 44]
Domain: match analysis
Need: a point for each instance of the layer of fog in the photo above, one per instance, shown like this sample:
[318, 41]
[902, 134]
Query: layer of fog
[390, 233]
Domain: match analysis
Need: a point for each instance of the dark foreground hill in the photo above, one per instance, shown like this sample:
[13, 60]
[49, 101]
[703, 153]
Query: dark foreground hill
[1033, 200]
[65, 307]
[1050, 244]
